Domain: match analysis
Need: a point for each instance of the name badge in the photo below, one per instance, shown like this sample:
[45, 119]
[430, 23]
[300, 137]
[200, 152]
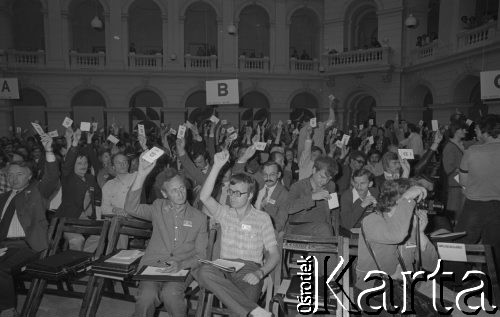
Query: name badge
[272, 201]
[188, 223]
[245, 227]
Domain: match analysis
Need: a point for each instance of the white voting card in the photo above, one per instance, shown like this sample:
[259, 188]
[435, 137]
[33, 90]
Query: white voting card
[361, 127]
[345, 139]
[94, 126]
[289, 121]
[370, 139]
[19, 130]
[468, 122]
[334, 131]
[84, 126]
[113, 139]
[224, 122]
[370, 122]
[67, 122]
[331, 97]
[333, 201]
[312, 122]
[260, 146]
[421, 123]
[181, 131]
[153, 154]
[230, 130]
[141, 130]
[53, 134]
[452, 251]
[214, 119]
[38, 128]
[435, 125]
[406, 154]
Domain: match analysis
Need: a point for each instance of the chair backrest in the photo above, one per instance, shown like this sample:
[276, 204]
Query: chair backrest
[130, 227]
[213, 246]
[81, 226]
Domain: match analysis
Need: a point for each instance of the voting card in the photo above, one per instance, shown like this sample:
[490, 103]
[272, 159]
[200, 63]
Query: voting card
[230, 130]
[468, 122]
[345, 139]
[224, 122]
[370, 122]
[452, 251]
[312, 122]
[94, 126]
[67, 122]
[331, 97]
[153, 154]
[260, 146]
[370, 139]
[421, 123]
[181, 131]
[233, 136]
[113, 139]
[361, 127]
[38, 128]
[289, 121]
[406, 154]
[333, 201]
[435, 125]
[334, 131]
[84, 126]
[214, 119]
[19, 130]
[53, 134]
[141, 130]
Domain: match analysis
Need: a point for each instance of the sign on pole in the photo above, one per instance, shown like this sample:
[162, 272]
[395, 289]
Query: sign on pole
[490, 85]
[9, 88]
[222, 92]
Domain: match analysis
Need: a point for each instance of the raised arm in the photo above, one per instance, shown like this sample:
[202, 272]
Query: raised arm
[50, 180]
[132, 202]
[191, 170]
[213, 207]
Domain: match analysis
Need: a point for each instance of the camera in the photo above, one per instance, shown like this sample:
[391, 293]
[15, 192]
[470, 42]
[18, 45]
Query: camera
[432, 206]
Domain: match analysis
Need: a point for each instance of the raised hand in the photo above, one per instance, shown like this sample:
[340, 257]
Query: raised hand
[142, 142]
[47, 142]
[76, 137]
[320, 195]
[145, 167]
[221, 158]
[415, 192]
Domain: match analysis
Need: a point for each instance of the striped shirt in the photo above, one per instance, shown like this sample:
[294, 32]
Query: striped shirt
[245, 239]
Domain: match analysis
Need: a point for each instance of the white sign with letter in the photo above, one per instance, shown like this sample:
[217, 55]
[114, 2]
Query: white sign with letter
[9, 88]
[406, 154]
[490, 84]
[222, 92]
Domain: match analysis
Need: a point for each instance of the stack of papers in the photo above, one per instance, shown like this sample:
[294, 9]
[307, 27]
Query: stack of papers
[125, 256]
[225, 265]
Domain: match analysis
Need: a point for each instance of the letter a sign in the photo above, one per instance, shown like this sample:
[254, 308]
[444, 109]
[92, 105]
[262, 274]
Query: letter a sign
[222, 92]
[9, 89]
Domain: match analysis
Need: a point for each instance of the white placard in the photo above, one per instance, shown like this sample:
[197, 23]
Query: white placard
[345, 139]
[312, 122]
[260, 146]
[9, 88]
[94, 126]
[181, 131]
[222, 92]
[153, 154]
[370, 139]
[38, 128]
[230, 130]
[214, 119]
[490, 84]
[452, 251]
[370, 122]
[224, 121]
[331, 97]
[289, 121]
[468, 122]
[435, 125]
[53, 134]
[361, 127]
[233, 136]
[111, 138]
[406, 154]
[333, 201]
[334, 131]
[85, 126]
[141, 130]
[67, 122]
[421, 123]
[19, 130]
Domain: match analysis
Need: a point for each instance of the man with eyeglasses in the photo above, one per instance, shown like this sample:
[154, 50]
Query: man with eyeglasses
[246, 233]
[273, 197]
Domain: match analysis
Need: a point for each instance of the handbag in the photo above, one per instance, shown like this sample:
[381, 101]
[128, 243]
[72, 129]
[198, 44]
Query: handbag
[422, 304]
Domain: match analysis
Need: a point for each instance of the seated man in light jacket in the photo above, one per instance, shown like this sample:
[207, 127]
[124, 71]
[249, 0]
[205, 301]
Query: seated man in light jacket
[179, 240]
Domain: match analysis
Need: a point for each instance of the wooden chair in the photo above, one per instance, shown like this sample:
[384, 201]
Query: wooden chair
[66, 225]
[94, 291]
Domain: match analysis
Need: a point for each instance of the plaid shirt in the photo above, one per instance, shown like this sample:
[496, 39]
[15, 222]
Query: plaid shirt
[4, 185]
[245, 239]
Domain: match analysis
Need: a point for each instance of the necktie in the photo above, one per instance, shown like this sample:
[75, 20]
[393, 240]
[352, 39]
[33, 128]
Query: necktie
[264, 199]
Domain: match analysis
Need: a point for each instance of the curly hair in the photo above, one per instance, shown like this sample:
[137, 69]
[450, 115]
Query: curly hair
[390, 192]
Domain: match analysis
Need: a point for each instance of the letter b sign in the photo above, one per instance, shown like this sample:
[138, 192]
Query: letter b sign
[220, 92]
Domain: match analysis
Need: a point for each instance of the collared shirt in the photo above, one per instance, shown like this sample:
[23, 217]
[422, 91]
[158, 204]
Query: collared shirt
[15, 228]
[355, 195]
[262, 192]
[414, 142]
[115, 191]
[245, 239]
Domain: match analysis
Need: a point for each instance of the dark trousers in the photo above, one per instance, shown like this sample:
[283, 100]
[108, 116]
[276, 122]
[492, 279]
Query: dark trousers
[481, 221]
[18, 255]
[239, 296]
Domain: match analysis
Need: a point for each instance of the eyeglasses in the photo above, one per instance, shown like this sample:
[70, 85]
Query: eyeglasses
[270, 175]
[360, 161]
[235, 193]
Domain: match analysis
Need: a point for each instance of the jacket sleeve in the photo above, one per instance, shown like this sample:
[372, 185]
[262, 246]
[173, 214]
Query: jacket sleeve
[422, 163]
[191, 170]
[296, 202]
[50, 180]
[93, 159]
[68, 166]
[211, 147]
[135, 209]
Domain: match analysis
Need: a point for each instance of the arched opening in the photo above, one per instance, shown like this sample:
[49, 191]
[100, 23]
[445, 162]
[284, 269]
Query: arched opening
[28, 27]
[361, 26]
[422, 98]
[88, 105]
[145, 108]
[196, 107]
[361, 108]
[28, 108]
[253, 32]
[254, 107]
[84, 38]
[200, 30]
[304, 34]
[145, 28]
[303, 107]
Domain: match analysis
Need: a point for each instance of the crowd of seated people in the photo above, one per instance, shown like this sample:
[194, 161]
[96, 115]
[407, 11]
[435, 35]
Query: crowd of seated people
[219, 175]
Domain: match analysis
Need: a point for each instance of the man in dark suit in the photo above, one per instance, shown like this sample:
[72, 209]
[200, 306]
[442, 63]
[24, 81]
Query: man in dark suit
[273, 197]
[179, 240]
[23, 226]
[356, 200]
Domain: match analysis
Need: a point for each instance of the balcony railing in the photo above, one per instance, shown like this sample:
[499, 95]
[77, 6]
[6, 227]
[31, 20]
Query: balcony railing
[201, 63]
[303, 66]
[372, 56]
[87, 60]
[25, 58]
[251, 64]
[476, 37]
[142, 61]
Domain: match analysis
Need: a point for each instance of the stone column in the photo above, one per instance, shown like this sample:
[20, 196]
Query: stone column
[281, 39]
[229, 51]
[114, 37]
